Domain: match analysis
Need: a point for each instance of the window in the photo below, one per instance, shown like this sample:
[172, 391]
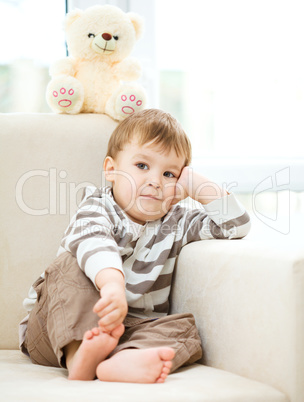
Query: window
[232, 71]
[238, 71]
[27, 52]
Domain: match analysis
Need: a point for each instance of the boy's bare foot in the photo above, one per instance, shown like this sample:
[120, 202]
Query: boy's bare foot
[94, 348]
[137, 365]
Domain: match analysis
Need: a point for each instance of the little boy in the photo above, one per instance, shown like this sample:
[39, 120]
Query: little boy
[101, 309]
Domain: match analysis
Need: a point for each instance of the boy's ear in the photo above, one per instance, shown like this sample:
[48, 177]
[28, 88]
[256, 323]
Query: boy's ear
[109, 168]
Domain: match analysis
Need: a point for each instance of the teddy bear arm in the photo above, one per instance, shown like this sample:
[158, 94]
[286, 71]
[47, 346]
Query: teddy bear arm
[129, 69]
[64, 66]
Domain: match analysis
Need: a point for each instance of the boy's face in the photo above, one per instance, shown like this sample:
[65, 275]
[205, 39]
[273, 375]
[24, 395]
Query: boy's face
[144, 180]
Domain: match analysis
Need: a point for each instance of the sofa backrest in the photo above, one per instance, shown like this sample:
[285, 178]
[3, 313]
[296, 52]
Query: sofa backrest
[46, 161]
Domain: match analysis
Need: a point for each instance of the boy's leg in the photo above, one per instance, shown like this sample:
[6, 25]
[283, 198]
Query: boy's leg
[137, 365]
[37, 342]
[62, 321]
[172, 339]
[82, 358]
[177, 331]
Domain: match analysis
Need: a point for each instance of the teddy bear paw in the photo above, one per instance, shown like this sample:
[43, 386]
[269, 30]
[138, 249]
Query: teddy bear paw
[65, 97]
[129, 102]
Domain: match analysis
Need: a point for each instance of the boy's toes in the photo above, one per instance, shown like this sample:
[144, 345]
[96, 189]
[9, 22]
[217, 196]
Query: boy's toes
[163, 375]
[167, 354]
[91, 333]
[118, 331]
[168, 365]
[166, 370]
[95, 331]
[88, 335]
[160, 380]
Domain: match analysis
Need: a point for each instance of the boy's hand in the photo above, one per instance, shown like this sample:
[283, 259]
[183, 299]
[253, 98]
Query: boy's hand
[112, 307]
[181, 186]
[198, 187]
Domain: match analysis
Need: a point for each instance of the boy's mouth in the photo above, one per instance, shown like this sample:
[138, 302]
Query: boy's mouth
[150, 197]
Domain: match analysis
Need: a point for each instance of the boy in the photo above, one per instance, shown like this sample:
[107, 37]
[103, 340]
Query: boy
[101, 309]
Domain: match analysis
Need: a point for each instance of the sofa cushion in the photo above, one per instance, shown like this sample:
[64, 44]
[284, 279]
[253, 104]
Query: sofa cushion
[195, 383]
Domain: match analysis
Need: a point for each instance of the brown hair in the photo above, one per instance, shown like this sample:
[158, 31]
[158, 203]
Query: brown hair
[151, 125]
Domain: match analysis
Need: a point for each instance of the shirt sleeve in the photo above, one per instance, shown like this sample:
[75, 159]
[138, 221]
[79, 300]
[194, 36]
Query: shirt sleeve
[229, 218]
[224, 218]
[89, 237]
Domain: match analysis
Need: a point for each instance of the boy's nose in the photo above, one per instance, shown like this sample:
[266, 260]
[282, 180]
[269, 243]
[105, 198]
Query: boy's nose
[154, 184]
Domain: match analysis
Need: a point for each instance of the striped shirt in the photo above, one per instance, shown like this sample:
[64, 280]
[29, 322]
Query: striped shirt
[101, 235]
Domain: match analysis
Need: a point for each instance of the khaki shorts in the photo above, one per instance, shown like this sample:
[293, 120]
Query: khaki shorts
[63, 313]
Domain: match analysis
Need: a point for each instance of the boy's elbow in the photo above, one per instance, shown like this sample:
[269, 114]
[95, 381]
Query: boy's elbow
[238, 232]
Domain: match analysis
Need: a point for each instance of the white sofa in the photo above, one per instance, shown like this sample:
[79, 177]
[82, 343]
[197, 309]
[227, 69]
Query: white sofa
[247, 298]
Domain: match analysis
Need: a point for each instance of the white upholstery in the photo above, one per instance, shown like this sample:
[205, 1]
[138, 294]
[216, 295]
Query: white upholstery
[248, 299]
[23, 381]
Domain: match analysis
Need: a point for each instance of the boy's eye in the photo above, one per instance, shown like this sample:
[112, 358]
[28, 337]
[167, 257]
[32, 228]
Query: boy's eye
[142, 166]
[169, 174]
[90, 35]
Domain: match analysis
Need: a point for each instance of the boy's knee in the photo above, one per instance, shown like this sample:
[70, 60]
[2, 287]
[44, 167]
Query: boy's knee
[184, 320]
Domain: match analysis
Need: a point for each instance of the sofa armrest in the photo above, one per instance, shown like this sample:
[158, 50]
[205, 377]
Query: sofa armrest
[248, 302]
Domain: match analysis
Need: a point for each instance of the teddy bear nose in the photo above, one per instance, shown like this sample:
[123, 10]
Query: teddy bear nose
[106, 36]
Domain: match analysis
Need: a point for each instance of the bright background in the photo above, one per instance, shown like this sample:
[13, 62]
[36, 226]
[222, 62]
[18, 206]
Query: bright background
[232, 71]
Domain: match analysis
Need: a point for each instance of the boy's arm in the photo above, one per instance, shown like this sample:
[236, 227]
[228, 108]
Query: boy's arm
[224, 217]
[89, 238]
[112, 306]
[198, 187]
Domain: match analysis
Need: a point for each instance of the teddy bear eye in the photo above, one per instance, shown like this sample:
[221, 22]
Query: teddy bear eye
[115, 37]
[91, 35]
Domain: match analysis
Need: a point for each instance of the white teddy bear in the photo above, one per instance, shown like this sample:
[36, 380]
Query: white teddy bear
[99, 40]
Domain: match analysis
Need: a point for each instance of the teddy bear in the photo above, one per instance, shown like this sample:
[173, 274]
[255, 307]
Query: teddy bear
[99, 40]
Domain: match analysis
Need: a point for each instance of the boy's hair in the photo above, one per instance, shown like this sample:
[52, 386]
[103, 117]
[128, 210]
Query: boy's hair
[151, 125]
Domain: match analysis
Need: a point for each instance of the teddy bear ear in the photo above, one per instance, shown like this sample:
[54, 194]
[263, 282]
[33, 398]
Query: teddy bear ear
[138, 23]
[71, 17]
